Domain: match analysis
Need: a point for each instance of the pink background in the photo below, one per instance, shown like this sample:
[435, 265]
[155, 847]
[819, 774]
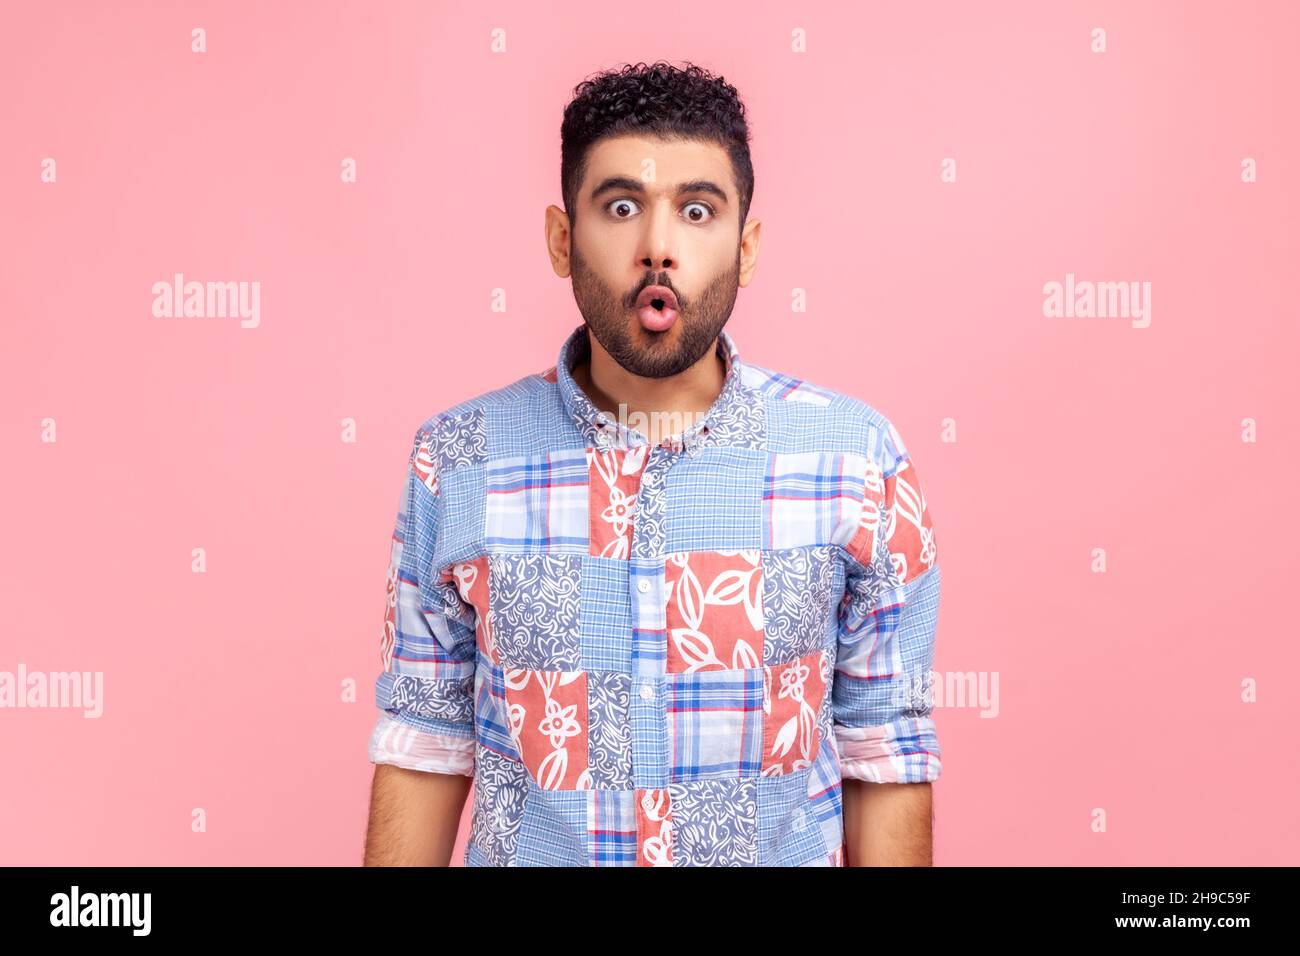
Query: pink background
[1119, 691]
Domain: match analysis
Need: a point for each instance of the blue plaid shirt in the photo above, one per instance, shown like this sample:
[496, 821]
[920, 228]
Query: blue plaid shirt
[667, 655]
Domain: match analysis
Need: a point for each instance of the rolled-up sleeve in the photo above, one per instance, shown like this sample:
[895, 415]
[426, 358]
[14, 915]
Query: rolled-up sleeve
[881, 693]
[425, 692]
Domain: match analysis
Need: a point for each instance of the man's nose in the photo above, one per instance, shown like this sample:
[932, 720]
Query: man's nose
[657, 250]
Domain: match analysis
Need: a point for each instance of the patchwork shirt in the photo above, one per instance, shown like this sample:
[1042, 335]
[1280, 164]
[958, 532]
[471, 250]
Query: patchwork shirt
[666, 655]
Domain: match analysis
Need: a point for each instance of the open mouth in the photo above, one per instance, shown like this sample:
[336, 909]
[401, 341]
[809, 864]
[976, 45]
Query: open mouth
[656, 307]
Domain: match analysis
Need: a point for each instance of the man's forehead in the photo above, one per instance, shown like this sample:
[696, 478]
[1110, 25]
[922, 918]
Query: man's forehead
[674, 161]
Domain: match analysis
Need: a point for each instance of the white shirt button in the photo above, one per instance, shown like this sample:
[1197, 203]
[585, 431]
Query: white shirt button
[643, 585]
[647, 692]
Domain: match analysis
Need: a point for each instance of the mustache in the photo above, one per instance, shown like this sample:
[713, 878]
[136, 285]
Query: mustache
[630, 299]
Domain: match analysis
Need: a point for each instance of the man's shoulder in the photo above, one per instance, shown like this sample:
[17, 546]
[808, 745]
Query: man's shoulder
[469, 415]
[801, 411]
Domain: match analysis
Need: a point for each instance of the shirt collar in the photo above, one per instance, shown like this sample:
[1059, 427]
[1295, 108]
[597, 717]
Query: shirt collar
[735, 417]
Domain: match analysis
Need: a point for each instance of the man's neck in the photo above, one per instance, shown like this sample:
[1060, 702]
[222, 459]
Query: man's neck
[660, 408]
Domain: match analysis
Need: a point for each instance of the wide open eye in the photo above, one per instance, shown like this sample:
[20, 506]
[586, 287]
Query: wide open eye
[704, 215]
[622, 208]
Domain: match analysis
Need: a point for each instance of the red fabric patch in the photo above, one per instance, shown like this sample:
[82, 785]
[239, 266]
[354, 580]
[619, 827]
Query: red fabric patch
[715, 610]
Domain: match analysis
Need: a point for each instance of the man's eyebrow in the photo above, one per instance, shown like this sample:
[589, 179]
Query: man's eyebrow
[628, 184]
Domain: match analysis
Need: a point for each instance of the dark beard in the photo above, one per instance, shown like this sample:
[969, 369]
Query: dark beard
[609, 317]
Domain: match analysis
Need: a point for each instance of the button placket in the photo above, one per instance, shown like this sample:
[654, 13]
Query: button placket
[648, 529]
[650, 762]
[645, 710]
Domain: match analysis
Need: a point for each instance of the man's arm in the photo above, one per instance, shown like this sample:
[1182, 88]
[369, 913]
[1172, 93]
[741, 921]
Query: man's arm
[883, 722]
[887, 824]
[414, 816]
[424, 738]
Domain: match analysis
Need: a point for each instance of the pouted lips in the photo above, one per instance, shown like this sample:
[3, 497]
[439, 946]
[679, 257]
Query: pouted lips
[656, 307]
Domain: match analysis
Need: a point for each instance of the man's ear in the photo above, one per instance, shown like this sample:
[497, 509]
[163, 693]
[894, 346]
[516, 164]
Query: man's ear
[749, 240]
[558, 238]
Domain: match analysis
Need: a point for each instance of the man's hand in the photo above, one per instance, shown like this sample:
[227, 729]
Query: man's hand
[887, 824]
[414, 816]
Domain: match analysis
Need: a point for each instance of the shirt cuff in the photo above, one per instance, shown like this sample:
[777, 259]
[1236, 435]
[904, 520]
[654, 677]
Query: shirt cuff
[904, 751]
[403, 745]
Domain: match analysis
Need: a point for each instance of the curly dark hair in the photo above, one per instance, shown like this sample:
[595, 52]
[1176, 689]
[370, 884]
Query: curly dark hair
[657, 100]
